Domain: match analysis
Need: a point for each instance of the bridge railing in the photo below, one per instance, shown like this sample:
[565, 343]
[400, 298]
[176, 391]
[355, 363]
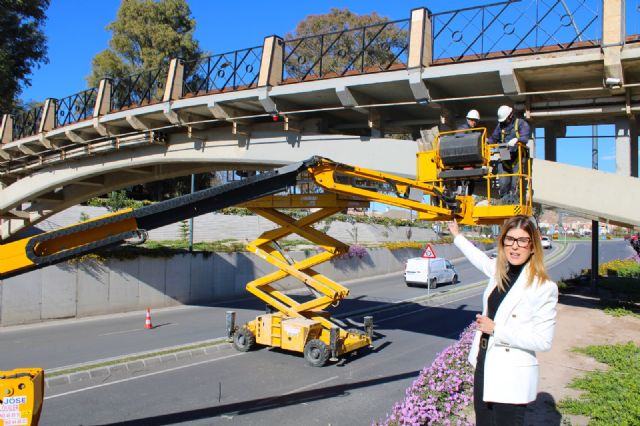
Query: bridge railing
[139, 89]
[27, 123]
[373, 48]
[76, 107]
[515, 28]
[226, 71]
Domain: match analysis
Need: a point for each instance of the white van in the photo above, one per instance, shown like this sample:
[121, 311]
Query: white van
[429, 272]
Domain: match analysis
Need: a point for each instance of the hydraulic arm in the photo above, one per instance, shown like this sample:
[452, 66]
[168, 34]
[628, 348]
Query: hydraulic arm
[56, 246]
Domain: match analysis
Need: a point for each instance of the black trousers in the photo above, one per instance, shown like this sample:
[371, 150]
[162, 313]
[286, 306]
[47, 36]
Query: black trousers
[493, 413]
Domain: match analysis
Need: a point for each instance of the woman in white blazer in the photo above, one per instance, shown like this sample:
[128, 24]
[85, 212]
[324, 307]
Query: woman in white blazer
[518, 319]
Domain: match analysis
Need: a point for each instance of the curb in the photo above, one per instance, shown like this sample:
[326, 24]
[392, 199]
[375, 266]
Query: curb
[95, 370]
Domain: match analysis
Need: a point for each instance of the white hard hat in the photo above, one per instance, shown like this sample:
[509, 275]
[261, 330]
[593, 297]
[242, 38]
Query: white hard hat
[504, 112]
[473, 115]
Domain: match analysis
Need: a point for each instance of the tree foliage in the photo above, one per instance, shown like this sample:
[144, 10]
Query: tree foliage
[145, 34]
[344, 50]
[22, 46]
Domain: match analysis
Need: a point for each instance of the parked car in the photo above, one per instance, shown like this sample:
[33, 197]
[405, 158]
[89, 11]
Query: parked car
[429, 272]
[546, 242]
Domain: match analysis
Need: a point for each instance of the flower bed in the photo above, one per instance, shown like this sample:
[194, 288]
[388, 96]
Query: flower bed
[442, 392]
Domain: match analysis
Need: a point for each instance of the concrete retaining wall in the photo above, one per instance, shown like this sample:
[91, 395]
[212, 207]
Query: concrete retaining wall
[91, 288]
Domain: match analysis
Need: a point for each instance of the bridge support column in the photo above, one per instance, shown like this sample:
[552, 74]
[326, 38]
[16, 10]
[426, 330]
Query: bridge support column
[420, 39]
[271, 62]
[551, 132]
[48, 120]
[103, 98]
[175, 79]
[6, 129]
[625, 155]
[633, 145]
[420, 52]
[613, 34]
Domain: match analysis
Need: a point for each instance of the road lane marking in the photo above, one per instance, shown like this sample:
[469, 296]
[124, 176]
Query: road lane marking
[121, 332]
[426, 308]
[311, 385]
[111, 333]
[141, 376]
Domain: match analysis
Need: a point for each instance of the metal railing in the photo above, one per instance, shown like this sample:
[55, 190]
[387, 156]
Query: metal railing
[374, 48]
[76, 107]
[139, 89]
[515, 28]
[27, 123]
[232, 70]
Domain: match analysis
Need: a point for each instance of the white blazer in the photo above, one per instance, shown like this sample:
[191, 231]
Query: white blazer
[524, 323]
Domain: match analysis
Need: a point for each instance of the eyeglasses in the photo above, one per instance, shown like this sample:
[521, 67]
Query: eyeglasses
[522, 241]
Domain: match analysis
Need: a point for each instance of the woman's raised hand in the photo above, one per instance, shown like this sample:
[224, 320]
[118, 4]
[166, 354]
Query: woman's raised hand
[453, 228]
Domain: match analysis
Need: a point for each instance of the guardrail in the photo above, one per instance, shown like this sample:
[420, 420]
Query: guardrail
[27, 123]
[232, 70]
[76, 107]
[139, 89]
[514, 27]
[373, 48]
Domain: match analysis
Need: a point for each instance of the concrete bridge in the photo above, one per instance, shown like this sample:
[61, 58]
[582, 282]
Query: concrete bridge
[290, 99]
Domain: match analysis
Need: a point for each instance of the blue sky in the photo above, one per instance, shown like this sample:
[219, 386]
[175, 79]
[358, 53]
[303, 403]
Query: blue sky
[76, 33]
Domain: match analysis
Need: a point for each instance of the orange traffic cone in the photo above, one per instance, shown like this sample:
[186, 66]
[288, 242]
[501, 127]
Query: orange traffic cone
[147, 321]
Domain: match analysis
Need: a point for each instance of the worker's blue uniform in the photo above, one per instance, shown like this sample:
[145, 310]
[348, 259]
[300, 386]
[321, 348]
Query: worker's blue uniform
[518, 128]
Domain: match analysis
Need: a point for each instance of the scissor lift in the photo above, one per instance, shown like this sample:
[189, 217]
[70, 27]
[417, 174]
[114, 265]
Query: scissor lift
[306, 327]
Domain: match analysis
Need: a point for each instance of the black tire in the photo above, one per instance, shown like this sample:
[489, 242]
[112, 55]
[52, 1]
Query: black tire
[433, 283]
[455, 279]
[243, 339]
[316, 353]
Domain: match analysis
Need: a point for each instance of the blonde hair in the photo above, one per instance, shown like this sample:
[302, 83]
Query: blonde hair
[536, 260]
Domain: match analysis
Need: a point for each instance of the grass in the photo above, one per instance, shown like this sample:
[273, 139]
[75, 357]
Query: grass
[621, 309]
[610, 397]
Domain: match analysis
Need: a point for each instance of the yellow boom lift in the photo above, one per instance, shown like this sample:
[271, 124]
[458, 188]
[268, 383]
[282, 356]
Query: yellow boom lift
[455, 179]
[458, 162]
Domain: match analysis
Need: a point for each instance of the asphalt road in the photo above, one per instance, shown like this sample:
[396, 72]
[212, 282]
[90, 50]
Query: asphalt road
[262, 387]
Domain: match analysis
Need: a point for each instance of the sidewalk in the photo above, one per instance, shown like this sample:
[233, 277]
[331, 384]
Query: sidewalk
[580, 323]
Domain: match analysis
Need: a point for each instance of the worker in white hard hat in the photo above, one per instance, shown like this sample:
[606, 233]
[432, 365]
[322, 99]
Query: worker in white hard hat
[472, 120]
[510, 132]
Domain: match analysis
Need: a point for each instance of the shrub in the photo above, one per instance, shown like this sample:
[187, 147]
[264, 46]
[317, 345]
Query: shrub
[628, 268]
[402, 245]
[442, 392]
[355, 251]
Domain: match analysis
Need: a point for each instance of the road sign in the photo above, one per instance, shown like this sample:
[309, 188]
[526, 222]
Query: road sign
[429, 252]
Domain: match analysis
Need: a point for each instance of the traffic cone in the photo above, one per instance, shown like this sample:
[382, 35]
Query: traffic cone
[147, 321]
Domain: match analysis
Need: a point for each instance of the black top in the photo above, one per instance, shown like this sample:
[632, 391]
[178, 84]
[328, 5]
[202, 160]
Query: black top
[497, 296]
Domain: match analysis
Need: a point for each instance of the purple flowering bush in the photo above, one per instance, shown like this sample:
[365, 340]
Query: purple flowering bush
[355, 251]
[442, 392]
